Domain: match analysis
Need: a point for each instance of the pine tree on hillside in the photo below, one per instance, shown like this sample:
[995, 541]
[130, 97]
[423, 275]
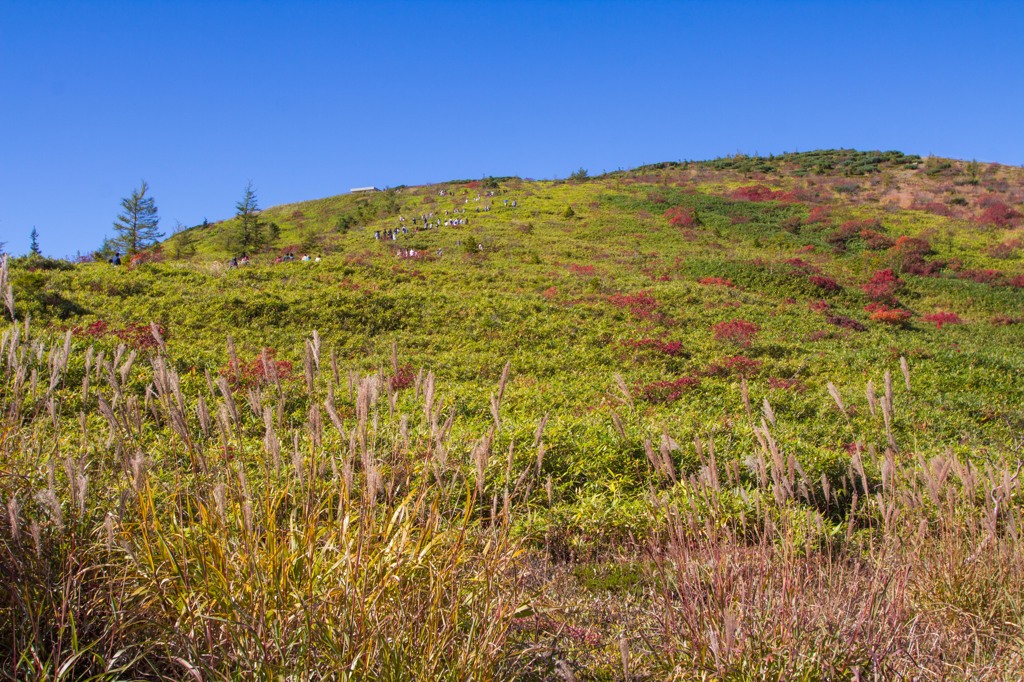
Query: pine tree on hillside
[137, 227]
[33, 245]
[248, 232]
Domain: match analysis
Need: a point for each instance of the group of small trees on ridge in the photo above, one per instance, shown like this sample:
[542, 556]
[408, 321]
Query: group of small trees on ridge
[136, 227]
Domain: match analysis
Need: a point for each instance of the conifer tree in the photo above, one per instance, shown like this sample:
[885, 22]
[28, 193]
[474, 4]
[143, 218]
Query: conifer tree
[248, 232]
[137, 227]
[33, 245]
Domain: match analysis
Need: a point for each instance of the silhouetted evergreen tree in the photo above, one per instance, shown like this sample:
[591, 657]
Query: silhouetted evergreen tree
[137, 227]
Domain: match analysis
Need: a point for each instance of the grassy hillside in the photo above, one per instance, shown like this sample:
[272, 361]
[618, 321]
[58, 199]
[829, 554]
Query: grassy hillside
[628, 416]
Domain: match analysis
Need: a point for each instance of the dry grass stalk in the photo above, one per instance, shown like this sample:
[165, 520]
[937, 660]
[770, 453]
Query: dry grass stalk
[624, 392]
[834, 392]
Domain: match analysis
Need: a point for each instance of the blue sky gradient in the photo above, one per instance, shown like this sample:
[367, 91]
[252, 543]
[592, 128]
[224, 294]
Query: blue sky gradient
[309, 99]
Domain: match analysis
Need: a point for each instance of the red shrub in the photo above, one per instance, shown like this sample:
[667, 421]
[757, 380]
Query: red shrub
[997, 213]
[738, 219]
[550, 293]
[679, 216]
[404, 379]
[936, 207]
[96, 330]
[886, 315]
[738, 332]
[851, 230]
[908, 255]
[876, 241]
[136, 335]
[259, 371]
[818, 306]
[942, 317]
[716, 281]
[761, 193]
[882, 286]
[819, 214]
[822, 282]
[983, 276]
[1017, 282]
[1006, 249]
[140, 335]
[666, 391]
[640, 304]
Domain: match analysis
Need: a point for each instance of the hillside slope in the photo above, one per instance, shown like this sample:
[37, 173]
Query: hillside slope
[781, 393]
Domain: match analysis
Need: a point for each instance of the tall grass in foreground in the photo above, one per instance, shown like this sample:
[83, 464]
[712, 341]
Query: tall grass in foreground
[245, 524]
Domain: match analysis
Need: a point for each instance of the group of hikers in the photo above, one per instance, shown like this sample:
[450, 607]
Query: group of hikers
[429, 221]
[243, 260]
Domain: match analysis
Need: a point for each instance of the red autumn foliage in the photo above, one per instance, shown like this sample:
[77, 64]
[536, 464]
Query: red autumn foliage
[640, 304]
[1005, 320]
[845, 323]
[140, 335]
[134, 334]
[762, 193]
[96, 329]
[880, 312]
[1017, 282]
[986, 276]
[818, 306]
[882, 286]
[679, 216]
[942, 318]
[1005, 250]
[936, 207]
[819, 214]
[736, 364]
[403, 379]
[550, 293]
[583, 270]
[259, 371]
[739, 219]
[671, 348]
[997, 213]
[802, 267]
[716, 281]
[666, 391]
[850, 230]
[908, 255]
[738, 332]
[876, 241]
[822, 282]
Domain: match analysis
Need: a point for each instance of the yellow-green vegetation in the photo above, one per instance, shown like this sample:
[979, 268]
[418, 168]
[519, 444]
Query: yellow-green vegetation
[741, 419]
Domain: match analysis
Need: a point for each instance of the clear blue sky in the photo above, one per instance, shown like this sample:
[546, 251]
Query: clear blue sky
[309, 99]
